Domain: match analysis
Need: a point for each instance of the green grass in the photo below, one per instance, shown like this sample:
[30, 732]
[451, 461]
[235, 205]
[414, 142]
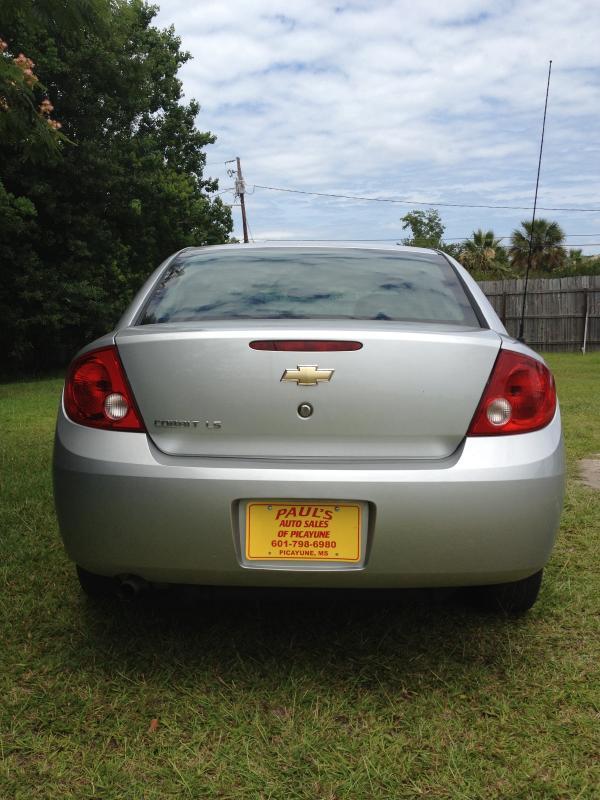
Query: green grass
[307, 695]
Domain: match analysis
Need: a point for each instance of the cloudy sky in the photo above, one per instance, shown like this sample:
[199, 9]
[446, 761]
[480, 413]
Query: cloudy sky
[424, 101]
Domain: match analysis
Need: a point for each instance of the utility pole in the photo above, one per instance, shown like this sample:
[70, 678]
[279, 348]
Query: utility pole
[240, 190]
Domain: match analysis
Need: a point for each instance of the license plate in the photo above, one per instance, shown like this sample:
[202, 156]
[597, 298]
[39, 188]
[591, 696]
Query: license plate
[308, 531]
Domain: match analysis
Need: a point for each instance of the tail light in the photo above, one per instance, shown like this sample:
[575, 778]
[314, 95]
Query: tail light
[97, 393]
[520, 397]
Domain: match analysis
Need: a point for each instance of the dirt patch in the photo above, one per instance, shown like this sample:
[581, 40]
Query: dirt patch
[589, 471]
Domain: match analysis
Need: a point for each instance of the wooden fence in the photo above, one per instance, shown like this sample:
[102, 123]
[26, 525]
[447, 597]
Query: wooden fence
[560, 313]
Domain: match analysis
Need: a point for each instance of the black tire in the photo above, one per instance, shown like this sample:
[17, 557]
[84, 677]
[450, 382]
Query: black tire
[510, 598]
[96, 586]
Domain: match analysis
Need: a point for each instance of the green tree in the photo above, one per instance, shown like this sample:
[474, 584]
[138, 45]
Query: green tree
[426, 228]
[575, 255]
[25, 115]
[26, 121]
[125, 189]
[547, 253]
[483, 253]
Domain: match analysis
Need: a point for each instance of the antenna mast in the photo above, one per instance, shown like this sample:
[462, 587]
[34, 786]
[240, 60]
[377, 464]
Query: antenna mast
[537, 183]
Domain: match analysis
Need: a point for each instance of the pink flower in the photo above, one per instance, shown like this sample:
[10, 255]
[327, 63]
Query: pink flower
[22, 61]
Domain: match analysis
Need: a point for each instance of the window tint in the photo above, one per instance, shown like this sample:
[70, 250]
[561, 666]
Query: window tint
[309, 284]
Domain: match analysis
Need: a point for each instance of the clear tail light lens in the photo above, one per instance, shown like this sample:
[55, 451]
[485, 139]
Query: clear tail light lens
[98, 395]
[520, 397]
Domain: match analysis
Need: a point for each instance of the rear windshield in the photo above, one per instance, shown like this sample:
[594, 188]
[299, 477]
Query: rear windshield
[309, 284]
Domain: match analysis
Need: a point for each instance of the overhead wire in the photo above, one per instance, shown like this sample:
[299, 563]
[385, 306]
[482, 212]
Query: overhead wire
[570, 246]
[217, 163]
[508, 236]
[446, 239]
[406, 201]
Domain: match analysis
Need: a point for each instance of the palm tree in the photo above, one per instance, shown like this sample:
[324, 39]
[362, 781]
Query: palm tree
[483, 252]
[546, 250]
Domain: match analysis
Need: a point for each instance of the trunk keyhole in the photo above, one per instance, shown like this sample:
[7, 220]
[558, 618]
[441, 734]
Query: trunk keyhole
[305, 410]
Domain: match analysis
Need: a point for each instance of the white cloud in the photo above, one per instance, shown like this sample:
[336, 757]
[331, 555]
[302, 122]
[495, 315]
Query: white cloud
[424, 100]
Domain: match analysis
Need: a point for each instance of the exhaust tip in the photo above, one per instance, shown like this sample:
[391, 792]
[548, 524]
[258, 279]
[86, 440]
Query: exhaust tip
[131, 586]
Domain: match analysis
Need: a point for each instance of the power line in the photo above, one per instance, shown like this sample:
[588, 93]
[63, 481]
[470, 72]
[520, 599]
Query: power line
[458, 241]
[466, 238]
[395, 238]
[416, 202]
[508, 236]
[216, 163]
[571, 246]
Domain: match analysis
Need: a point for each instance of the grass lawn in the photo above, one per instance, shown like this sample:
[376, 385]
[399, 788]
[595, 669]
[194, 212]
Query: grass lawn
[385, 695]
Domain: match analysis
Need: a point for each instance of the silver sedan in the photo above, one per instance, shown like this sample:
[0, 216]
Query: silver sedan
[310, 416]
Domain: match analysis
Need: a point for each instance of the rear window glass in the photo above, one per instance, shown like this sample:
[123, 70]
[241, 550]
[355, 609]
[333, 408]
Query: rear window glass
[309, 284]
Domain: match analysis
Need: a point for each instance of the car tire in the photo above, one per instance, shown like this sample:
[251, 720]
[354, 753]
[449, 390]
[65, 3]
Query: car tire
[511, 598]
[96, 586]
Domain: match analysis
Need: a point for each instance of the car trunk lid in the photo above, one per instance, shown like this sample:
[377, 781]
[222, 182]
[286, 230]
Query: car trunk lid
[409, 392]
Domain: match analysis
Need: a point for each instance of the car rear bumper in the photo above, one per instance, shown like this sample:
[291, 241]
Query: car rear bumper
[487, 514]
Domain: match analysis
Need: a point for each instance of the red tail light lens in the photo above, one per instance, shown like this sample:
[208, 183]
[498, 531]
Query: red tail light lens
[304, 345]
[520, 397]
[97, 393]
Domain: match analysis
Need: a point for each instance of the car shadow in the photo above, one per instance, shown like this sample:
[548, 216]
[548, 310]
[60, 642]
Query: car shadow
[248, 636]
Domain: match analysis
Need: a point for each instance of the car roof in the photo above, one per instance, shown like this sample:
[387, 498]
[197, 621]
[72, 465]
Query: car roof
[313, 245]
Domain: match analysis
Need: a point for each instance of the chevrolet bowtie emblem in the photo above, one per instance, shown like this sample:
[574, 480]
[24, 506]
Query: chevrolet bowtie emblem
[307, 375]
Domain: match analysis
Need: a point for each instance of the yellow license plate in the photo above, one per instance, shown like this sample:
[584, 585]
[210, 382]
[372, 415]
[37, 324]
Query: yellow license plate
[308, 531]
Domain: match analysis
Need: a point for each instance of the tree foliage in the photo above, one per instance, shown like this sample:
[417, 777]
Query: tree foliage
[426, 228]
[483, 253]
[118, 189]
[25, 122]
[547, 252]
